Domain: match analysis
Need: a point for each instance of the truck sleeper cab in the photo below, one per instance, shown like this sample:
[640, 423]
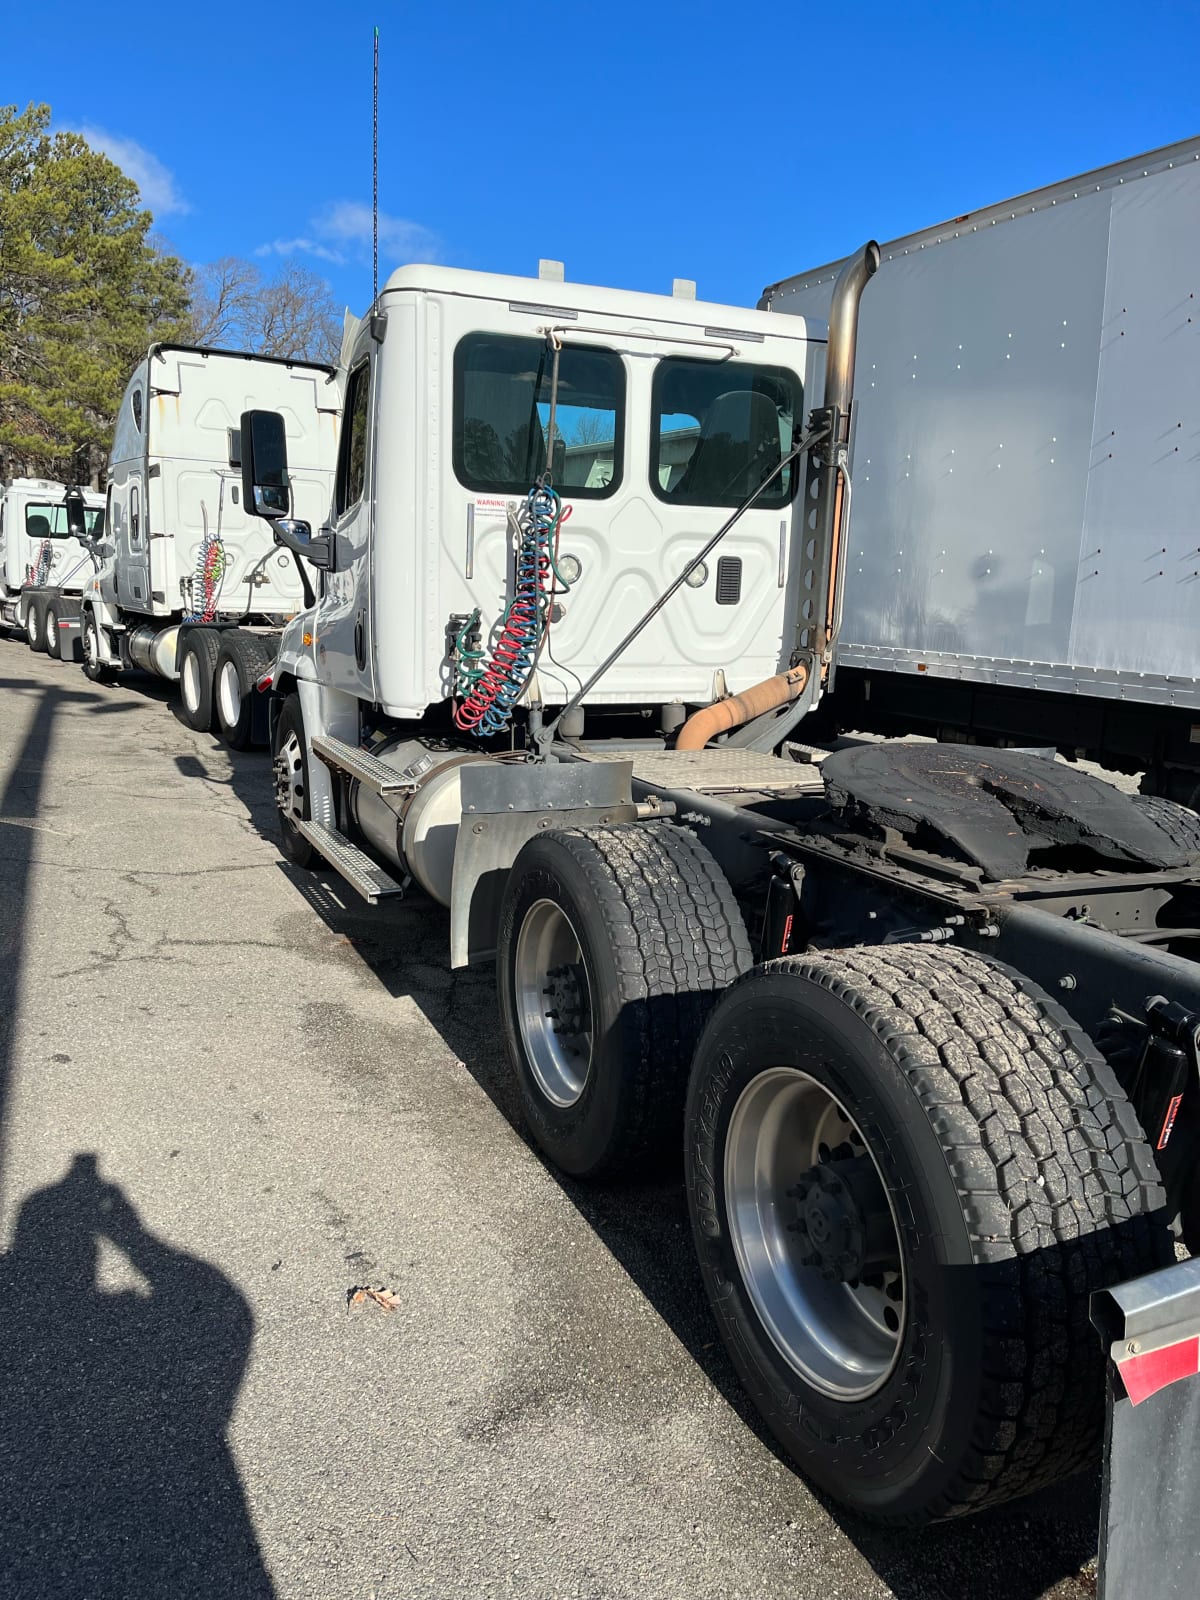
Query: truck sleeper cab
[896, 1002]
[193, 587]
[43, 566]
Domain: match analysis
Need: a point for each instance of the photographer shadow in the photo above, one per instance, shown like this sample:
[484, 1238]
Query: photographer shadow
[116, 1478]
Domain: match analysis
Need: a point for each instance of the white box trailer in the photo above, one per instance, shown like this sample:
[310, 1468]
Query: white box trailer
[191, 586]
[42, 566]
[1024, 559]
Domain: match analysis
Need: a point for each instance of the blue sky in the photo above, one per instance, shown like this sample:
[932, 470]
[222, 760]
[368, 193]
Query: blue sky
[733, 144]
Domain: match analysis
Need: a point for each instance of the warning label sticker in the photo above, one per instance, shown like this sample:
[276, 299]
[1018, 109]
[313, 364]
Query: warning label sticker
[491, 506]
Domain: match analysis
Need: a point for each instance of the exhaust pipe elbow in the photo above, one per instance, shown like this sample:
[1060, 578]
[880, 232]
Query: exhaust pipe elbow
[770, 695]
[843, 327]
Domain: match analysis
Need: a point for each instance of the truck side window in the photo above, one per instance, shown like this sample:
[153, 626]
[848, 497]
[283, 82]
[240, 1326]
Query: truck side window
[352, 456]
[718, 428]
[135, 521]
[502, 416]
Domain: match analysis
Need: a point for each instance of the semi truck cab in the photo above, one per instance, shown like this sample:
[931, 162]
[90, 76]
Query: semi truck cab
[44, 566]
[664, 409]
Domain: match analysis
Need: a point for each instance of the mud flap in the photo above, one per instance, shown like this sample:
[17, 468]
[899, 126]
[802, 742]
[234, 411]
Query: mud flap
[1150, 1511]
[503, 805]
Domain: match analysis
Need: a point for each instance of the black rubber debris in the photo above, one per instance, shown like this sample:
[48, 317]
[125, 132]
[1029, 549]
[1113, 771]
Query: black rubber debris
[997, 808]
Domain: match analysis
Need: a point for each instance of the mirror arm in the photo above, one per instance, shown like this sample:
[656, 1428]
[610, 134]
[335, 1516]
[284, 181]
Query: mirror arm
[306, 588]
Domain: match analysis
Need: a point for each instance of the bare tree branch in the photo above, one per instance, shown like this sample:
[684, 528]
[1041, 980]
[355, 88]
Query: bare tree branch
[292, 315]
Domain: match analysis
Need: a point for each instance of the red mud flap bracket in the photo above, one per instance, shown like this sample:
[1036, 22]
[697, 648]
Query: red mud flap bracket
[1150, 1512]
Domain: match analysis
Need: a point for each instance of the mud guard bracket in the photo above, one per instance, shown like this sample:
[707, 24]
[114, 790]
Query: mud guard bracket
[504, 805]
[1150, 1511]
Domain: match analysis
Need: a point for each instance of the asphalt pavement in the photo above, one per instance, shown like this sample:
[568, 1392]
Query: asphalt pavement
[230, 1094]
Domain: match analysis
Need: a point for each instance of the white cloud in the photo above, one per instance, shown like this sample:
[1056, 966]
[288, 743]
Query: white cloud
[156, 183]
[342, 233]
[300, 247]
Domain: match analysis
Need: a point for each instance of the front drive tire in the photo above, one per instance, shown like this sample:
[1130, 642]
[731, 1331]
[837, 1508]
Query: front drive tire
[958, 1368]
[35, 624]
[289, 764]
[614, 943]
[197, 669]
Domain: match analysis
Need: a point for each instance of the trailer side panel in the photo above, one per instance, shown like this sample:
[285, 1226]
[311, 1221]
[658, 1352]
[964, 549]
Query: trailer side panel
[1026, 471]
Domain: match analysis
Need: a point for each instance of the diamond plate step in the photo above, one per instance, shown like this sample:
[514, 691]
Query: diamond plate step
[359, 871]
[359, 764]
[719, 771]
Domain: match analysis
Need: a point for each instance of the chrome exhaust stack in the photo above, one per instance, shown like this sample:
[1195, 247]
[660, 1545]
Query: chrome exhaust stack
[831, 455]
[843, 329]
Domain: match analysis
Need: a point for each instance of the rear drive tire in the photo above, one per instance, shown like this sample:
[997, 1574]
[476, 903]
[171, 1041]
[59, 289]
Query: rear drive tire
[241, 660]
[606, 978]
[913, 1327]
[35, 624]
[1181, 825]
[53, 637]
[197, 668]
[289, 762]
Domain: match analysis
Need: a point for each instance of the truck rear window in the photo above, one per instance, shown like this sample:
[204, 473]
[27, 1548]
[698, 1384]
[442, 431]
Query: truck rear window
[50, 522]
[717, 430]
[502, 416]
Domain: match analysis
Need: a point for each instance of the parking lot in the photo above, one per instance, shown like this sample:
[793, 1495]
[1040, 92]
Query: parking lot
[228, 1096]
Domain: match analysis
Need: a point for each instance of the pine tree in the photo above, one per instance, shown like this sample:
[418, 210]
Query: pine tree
[83, 292]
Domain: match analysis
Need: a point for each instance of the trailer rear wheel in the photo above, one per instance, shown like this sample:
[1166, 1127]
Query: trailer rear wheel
[197, 668]
[35, 623]
[1180, 824]
[614, 943]
[241, 660]
[53, 637]
[907, 1169]
[289, 759]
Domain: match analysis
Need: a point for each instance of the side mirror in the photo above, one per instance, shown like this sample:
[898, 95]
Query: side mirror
[76, 525]
[299, 538]
[265, 490]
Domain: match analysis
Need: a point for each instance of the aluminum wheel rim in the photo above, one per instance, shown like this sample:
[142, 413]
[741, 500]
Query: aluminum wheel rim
[289, 780]
[51, 626]
[229, 692]
[189, 682]
[31, 627]
[91, 647]
[553, 1002]
[843, 1339]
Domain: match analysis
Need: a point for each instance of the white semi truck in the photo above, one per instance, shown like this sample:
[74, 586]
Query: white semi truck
[43, 566]
[893, 1005]
[189, 585]
[1026, 556]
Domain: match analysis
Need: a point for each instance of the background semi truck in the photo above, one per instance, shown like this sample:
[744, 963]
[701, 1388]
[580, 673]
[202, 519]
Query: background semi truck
[189, 585]
[42, 565]
[924, 1017]
[1025, 565]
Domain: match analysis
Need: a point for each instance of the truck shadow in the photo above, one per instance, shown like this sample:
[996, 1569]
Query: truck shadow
[21, 801]
[1033, 1548]
[116, 1477]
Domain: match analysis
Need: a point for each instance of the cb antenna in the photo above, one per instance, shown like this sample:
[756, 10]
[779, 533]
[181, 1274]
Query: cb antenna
[375, 180]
